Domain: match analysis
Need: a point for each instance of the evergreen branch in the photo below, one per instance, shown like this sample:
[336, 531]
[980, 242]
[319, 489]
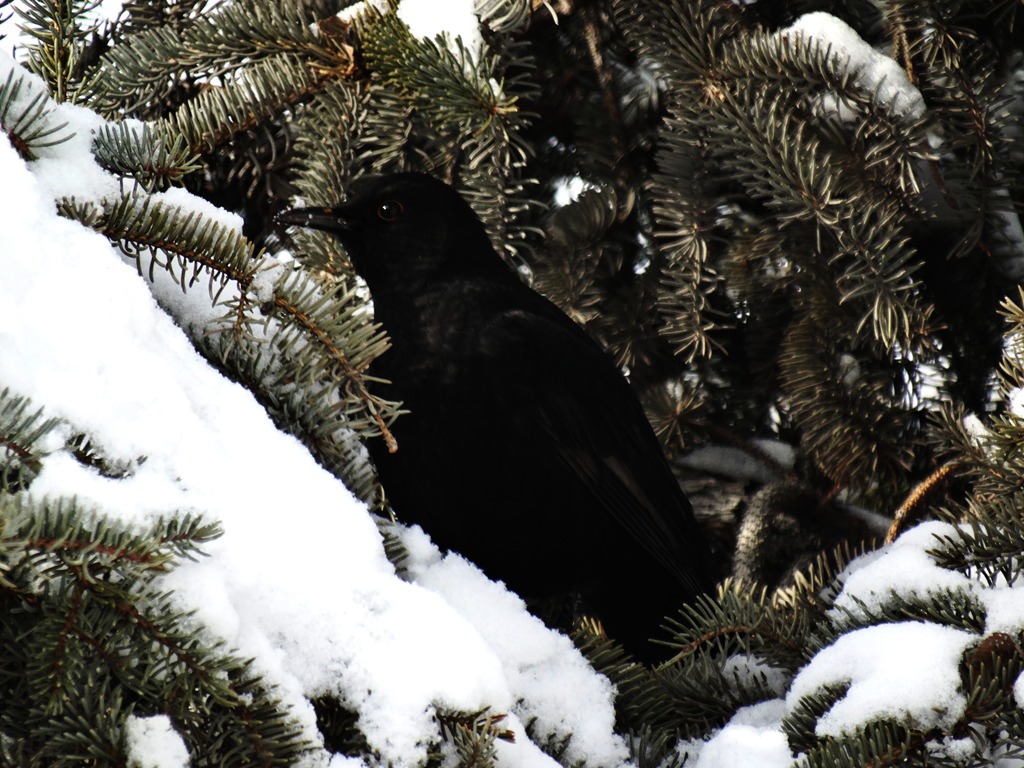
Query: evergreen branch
[56, 691]
[503, 15]
[27, 118]
[262, 90]
[139, 15]
[143, 72]
[685, 37]
[852, 427]
[390, 137]
[474, 103]
[191, 243]
[959, 609]
[57, 27]
[394, 547]
[84, 617]
[88, 454]
[989, 673]
[183, 651]
[877, 745]
[502, 202]
[654, 748]
[674, 410]
[324, 324]
[87, 731]
[707, 691]
[877, 262]
[242, 32]
[338, 725]
[65, 529]
[989, 547]
[473, 735]
[958, 75]
[742, 621]
[682, 228]
[328, 128]
[779, 158]
[801, 720]
[154, 158]
[637, 690]
[20, 432]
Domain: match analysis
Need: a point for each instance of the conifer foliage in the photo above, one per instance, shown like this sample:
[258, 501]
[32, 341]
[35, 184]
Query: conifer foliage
[787, 225]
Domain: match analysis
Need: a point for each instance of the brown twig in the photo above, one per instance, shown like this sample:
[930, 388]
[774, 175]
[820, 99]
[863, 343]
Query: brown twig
[912, 506]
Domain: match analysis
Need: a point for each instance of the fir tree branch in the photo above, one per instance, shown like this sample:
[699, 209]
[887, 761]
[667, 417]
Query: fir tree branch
[143, 71]
[20, 431]
[140, 224]
[351, 375]
[57, 26]
[154, 157]
[261, 91]
[475, 101]
[27, 118]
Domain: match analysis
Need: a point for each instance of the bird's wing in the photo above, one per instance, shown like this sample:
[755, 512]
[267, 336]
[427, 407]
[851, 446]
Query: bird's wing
[557, 380]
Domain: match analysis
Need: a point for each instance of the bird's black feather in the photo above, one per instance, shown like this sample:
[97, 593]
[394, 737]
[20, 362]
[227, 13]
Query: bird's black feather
[524, 448]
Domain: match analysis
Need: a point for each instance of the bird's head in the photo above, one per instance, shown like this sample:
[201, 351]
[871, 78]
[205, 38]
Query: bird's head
[402, 229]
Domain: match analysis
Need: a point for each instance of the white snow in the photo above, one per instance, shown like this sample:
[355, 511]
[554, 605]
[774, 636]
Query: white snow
[152, 742]
[747, 670]
[752, 737]
[901, 671]
[873, 71]
[558, 685]
[903, 568]
[451, 20]
[430, 20]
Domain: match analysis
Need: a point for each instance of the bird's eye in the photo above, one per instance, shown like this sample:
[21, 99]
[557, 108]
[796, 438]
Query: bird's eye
[392, 210]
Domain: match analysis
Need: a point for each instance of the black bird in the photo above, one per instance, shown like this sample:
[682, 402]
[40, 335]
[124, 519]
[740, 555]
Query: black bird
[524, 448]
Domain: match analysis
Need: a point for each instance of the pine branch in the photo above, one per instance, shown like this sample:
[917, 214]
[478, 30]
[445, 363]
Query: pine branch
[503, 203]
[637, 689]
[343, 344]
[682, 226]
[154, 157]
[20, 432]
[477, 104]
[139, 15]
[145, 70]
[473, 735]
[878, 745]
[28, 118]
[87, 629]
[57, 26]
[188, 243]
[503, 15]
[247, 100]
[329, 129]
[852, 427]
[742, 620]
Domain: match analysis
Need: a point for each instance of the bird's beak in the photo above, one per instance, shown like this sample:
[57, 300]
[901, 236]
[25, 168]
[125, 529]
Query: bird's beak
[326, 219]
